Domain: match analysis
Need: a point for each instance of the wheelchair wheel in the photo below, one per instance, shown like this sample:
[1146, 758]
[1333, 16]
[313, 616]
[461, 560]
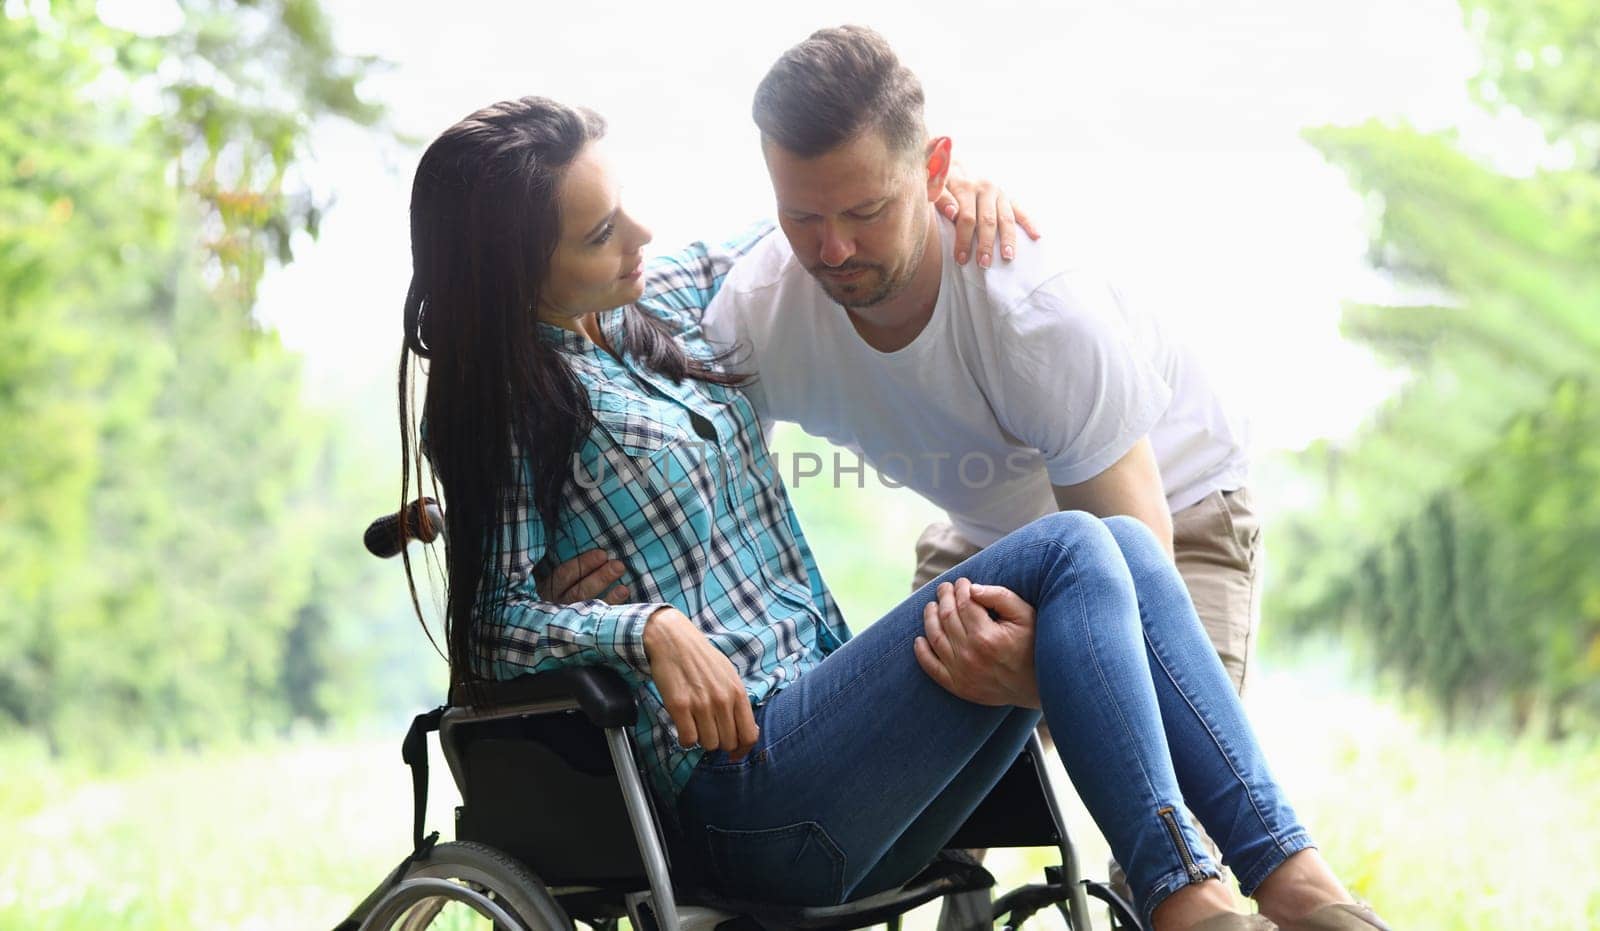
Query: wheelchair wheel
[464, 886]
[1015, 908]
[1122, 917]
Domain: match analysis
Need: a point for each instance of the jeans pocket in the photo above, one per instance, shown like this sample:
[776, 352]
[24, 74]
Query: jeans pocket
[796, 864]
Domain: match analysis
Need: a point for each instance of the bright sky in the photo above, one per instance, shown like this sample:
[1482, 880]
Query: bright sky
[1161, 135]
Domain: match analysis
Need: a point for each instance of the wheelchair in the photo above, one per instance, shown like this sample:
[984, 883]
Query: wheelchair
[556, 826]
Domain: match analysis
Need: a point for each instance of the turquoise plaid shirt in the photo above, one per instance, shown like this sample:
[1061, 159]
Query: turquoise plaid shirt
[677, 483]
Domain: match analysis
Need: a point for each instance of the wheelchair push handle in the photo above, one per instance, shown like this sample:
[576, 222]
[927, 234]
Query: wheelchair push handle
[388, 535]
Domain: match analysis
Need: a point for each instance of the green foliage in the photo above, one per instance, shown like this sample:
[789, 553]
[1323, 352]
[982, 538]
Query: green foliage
[251, 79]
[164, 538]
[1543, 57]
[1458, 530]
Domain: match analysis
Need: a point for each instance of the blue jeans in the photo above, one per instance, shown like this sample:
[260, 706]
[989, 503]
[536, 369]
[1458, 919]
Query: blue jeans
[865, 766]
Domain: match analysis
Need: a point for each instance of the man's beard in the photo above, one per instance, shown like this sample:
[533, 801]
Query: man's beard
[871, 286]
[875, 284]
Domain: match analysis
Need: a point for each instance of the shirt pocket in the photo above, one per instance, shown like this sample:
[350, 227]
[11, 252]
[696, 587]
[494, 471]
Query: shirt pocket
[632, 423]
[651, 457]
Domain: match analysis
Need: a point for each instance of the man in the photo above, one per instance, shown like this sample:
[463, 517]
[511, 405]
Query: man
[999, 393]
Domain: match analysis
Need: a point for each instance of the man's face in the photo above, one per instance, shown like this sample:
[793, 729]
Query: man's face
[856, 216]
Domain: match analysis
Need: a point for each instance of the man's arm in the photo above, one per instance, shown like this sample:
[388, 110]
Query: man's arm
[1077, 388]
[1131, 486]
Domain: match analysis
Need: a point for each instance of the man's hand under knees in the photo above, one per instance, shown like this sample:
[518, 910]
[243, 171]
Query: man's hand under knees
[978, 644]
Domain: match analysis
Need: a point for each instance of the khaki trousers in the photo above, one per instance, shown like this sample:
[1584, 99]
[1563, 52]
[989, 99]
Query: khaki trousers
[1217, 542]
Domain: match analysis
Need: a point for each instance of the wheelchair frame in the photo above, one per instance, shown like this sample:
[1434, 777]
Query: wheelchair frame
[581, 700]
[639, 804]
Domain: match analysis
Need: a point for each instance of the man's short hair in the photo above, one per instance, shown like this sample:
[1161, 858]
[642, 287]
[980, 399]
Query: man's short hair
[835, 85]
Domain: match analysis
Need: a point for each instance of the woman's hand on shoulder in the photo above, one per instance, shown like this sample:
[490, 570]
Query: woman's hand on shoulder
[699, 685]
[977, 205]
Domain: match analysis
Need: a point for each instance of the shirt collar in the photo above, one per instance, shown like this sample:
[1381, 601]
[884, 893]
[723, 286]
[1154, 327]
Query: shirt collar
[611, 324]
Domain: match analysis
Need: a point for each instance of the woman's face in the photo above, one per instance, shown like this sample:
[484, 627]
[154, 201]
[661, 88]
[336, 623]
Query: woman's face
[598, 263]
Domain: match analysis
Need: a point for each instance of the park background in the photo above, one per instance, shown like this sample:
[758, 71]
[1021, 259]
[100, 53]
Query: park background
[1378, 221]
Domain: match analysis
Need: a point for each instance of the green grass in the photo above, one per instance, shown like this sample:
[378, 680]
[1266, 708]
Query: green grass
[280, 836]
[1473, 831]
[1460, 833]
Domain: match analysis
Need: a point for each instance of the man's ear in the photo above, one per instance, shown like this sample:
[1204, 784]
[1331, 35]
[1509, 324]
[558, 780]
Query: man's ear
[937, 162]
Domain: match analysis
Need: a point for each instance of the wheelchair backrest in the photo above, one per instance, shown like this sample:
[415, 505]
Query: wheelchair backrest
[542, 788]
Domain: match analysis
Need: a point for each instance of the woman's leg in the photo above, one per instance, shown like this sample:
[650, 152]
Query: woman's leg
[853, 753]
[1220, 766]
[927, 835]
[862, 760]
[1101, 703]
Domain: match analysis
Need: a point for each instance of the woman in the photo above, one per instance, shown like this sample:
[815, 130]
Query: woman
[572, 404]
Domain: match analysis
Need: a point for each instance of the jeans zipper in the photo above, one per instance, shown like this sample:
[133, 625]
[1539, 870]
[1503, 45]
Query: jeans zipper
[1189, 866]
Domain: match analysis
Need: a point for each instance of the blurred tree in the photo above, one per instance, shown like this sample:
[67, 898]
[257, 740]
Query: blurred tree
[1543, 58]
[164, 549]
[1459, 529]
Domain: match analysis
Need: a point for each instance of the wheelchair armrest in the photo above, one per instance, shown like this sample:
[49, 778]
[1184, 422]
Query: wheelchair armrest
[601, 693]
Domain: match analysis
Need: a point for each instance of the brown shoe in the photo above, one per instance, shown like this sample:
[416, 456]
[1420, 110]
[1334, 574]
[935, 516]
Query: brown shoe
[1340, 917]
[1233, 921]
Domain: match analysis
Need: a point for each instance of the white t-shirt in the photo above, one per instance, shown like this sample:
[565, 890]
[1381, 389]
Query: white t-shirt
[1030, 373]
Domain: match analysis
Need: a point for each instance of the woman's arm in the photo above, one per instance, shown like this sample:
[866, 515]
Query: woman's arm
[699, 685]
[681, 285]
[529, 632]
[520, 631]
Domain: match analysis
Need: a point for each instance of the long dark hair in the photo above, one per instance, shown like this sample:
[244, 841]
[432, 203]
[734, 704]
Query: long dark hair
[504, 412]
